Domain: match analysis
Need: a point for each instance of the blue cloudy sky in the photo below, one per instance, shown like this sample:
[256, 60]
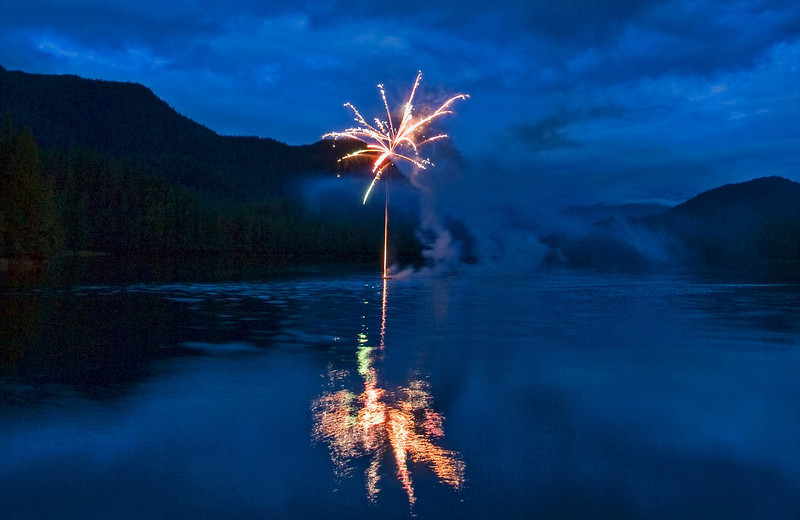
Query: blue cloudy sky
[606, 101]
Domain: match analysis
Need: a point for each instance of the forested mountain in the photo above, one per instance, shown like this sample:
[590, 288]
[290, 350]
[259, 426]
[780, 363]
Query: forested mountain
[28, 224]
[745, 225]
[128, 122]
[747, 222]
[118, 170]
[124, 119]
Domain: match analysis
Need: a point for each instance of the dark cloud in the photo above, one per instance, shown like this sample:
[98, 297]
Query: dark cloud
[705, 37]
[585, 21]
[109, 23]
[548, 133]
[551, 131]
[565, 20]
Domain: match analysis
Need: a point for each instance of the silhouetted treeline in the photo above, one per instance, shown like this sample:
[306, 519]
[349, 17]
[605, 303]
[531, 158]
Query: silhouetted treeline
[84, 200]
[121, 171]
[28, 221]
[107, 205]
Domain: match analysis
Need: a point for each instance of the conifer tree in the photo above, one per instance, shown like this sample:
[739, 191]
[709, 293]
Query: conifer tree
[27, 201]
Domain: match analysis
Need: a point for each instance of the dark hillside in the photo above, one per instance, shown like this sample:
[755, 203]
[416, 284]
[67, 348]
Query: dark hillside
[740, 202]
[124, 119]
[128, 174]
[753, 221]
[747, 225]
[127, 121]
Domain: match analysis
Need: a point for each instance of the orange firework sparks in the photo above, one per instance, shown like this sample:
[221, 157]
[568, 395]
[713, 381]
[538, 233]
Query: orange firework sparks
[387, 141]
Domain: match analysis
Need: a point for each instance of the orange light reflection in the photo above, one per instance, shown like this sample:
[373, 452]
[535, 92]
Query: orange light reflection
[378, 421]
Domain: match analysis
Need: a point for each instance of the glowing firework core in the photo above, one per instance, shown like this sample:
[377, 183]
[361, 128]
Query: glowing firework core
[387, 141]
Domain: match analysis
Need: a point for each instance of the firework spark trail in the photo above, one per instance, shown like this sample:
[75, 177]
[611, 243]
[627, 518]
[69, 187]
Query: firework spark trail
[386, 141]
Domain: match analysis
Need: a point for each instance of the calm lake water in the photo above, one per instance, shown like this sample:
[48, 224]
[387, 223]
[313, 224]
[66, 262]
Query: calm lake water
[329, 394]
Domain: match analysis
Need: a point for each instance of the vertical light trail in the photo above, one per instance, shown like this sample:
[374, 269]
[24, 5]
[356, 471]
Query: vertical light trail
[385, 236]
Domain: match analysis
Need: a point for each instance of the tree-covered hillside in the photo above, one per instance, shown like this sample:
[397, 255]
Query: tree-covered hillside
[748, 225]
[128, 122]
[749, 222]
[28, 223]
[107, 166]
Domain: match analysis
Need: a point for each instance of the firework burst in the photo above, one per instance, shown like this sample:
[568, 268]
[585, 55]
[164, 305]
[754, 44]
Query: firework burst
[387, 141]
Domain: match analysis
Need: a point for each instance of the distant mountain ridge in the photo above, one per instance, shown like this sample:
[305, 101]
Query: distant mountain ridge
[771, 195]
[747, 222]
[739, 225]
[105, 166]
[120, 118]
[127, 120]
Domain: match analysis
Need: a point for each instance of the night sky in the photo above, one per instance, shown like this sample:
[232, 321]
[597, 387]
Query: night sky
[573, 100]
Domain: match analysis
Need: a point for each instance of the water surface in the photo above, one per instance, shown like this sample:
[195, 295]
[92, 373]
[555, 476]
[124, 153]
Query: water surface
[327, 394]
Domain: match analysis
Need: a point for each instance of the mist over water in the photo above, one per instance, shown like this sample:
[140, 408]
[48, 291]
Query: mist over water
[517, 221]
[564, 395]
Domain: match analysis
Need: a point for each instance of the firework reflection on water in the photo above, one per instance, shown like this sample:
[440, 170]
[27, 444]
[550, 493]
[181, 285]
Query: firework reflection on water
[379, 423]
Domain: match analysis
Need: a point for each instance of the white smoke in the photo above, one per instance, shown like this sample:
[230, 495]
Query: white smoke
[442, 252]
